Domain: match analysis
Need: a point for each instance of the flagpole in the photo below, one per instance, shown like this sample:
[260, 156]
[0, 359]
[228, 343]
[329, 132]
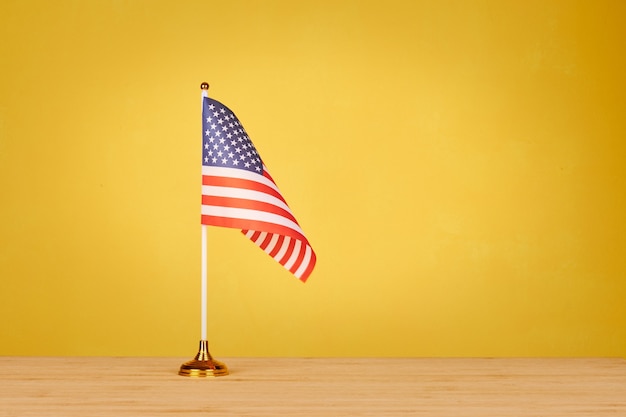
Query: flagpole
[203, 328]
[204, 287]
[203, 364]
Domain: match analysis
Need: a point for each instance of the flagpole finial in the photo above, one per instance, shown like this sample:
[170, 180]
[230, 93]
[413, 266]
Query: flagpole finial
[204, 86]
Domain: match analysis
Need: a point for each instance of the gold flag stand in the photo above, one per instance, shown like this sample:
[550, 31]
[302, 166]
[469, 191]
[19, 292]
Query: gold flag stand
[203, 365]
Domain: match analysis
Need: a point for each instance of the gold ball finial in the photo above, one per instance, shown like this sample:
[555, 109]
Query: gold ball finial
[204, 86]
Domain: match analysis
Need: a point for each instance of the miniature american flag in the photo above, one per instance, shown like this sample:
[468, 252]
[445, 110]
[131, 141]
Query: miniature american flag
[238, 192]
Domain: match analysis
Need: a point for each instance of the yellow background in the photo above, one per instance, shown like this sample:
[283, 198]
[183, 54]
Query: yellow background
[458, 166]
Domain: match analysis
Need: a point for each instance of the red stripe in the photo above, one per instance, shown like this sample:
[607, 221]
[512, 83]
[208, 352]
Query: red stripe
[287, 255]
[266, 241]
[237, 223]
[241, 183]
[279, 244]
[299, 260]
[231, 202]
[267, 175]
[309, 267]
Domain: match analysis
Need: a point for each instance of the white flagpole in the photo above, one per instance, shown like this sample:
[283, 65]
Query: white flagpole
[204, 284]
[204, 289]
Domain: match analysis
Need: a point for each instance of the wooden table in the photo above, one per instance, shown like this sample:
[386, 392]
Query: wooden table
[117, 387]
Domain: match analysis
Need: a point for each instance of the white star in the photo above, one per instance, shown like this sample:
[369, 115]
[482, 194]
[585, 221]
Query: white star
[224, 161]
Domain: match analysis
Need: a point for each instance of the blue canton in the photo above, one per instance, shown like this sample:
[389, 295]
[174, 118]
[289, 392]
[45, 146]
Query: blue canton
[225, 142]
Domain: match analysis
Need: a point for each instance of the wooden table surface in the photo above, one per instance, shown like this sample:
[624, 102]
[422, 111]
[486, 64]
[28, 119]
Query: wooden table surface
[113, 386]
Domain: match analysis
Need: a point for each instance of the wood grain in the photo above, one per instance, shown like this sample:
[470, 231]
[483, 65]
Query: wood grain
[87, 386]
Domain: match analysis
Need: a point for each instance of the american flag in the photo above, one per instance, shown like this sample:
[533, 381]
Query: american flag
[238, 192]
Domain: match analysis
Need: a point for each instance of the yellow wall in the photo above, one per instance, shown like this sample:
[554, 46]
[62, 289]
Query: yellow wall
[458, 166]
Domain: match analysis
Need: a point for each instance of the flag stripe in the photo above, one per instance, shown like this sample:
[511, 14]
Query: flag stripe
[237, 223]
[261, 190]
[289, 227]
[264, 179]
[299, 259]
[238, 194]
[267, 238]
[256, 236]
[277, 245]
[231, 203]
[297, 244]
[286, 247]
[271, 244]
[306, 266]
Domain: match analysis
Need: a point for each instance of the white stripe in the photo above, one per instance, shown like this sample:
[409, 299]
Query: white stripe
[294, 255]
[272, 244]
[261, 238]
[248, 214]
[211, 190]
[250, 233]
[283, 249]
[238, 173]
[305, 262]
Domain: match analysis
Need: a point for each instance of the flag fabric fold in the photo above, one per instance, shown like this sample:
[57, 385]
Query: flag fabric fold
[238, 192]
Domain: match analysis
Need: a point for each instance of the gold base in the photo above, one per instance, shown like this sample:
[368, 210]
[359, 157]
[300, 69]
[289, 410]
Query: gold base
[203, 364]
